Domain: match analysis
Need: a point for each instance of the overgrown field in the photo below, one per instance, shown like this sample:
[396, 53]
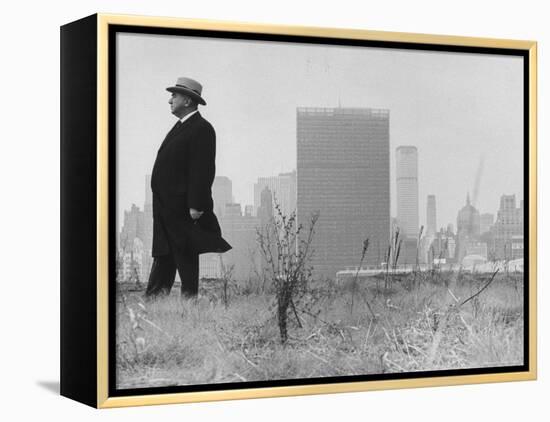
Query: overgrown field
[424, 321]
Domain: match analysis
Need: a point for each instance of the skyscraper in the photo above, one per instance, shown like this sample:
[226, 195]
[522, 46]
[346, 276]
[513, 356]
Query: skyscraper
[147, 229]
[248, 210]
[343, 173]
[131, 228]
[486, 221]
[431, 219]
[407, 190]
[425, 252]
[265, 210]
[467, 227]
[508, 229]
[222, 194]
[467, 221]
[240, 232]
[283, 189]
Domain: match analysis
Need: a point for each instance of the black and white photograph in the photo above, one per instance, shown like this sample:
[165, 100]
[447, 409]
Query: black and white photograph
[307, 211]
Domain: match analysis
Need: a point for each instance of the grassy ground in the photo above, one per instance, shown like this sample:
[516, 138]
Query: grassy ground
[416, 324]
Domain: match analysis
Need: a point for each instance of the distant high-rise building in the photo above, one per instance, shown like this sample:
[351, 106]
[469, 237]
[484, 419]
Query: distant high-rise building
[467, 227]
[476, 248]
[431, 220]
[343, 173]
[213, 265]
[468, 222]
[409, 253]
[450, 228]
[507, 203]
[442, 247]
[240, 232]
[132, 227]
[508, 229]
[425, 245]
[210, 265]
[222, 194]
[283, 190]
[147, 260]
[407, 190]
[265, 217]
[486, 221]
[265, 210]
[148, 191]
[131, 263]
[132, 248]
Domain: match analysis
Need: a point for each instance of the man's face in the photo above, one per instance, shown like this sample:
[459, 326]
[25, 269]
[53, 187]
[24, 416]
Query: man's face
[178, 103]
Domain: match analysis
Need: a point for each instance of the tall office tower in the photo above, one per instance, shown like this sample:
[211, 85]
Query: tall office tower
[431, 220]
[210, 265]
[343, 172]
[222, 194]
[424, 245]
[283, 189]
[450, 228]
[467, 221]
[131, 246]
[467, 227]
[508, 229]
[287, 193]
[240, 231]
[131, 228]
[265, 219]
[249, 210]
[486, 221]
[265, 210]
[407, 190]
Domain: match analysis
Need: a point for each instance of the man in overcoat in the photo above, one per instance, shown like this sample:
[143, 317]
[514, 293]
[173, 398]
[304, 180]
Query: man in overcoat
[184, 224]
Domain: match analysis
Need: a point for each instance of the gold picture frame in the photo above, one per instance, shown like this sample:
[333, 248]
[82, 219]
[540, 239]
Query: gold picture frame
[86, 44]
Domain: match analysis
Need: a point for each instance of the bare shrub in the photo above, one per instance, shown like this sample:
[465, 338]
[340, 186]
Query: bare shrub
[287, 252]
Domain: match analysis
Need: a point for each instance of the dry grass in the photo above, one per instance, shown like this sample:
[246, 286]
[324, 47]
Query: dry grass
[415, 327]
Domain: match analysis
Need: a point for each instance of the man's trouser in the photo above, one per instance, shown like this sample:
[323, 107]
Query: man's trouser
[163, 274]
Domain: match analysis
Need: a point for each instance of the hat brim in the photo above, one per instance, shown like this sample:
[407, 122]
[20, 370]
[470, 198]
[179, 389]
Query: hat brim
[186, 91]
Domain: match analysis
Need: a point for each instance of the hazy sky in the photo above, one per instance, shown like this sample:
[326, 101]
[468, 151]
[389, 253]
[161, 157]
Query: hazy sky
[459, 110]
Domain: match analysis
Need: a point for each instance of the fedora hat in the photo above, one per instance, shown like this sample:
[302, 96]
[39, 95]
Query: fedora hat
[189, 87]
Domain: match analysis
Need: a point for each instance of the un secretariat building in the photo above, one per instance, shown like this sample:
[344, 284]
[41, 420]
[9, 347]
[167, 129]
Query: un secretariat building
[343, 172]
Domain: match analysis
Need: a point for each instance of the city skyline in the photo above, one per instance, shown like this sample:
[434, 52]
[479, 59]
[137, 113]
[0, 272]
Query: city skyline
[478, 237]
[423, 203]
[443, 225]
[343, 172]
[451, 106]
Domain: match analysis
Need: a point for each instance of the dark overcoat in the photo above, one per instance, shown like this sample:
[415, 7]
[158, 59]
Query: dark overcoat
[182, 178]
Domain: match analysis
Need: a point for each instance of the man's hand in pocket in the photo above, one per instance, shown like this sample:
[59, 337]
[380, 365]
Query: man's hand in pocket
[195, 215]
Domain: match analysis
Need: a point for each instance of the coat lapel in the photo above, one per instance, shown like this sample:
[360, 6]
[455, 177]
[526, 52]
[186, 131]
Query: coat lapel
[172, 134]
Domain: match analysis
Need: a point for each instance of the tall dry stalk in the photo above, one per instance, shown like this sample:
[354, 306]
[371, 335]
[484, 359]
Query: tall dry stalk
[416, 270]
[394, 250]
[354, 282]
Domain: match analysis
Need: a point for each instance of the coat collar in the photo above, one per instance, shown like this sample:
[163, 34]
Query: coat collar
[189, 115]
[172, 134]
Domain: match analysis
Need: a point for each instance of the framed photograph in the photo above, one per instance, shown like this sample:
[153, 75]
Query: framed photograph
[259, 210]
